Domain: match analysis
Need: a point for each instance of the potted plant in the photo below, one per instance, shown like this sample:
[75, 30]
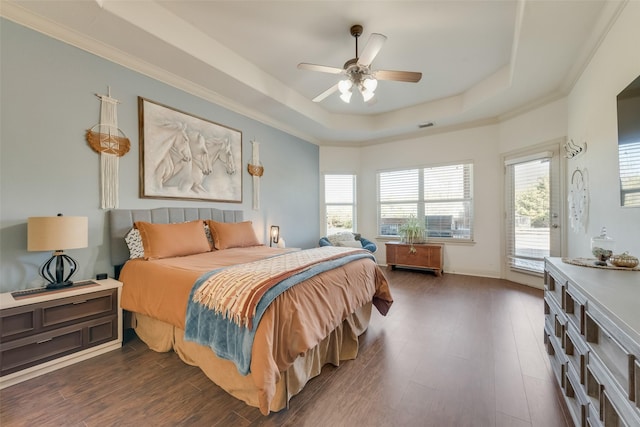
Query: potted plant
[412, 232]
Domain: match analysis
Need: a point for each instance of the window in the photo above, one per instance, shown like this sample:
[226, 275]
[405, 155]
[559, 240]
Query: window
[340, 206]
[629, 156]
[442, 195]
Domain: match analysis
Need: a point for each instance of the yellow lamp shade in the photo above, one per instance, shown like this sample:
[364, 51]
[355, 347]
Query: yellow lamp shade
[52, 233]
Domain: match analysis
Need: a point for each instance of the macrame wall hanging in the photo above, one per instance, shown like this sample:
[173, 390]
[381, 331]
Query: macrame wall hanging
[111, 143]
[256, 170]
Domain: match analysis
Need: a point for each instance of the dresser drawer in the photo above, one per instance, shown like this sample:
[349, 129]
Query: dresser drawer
[22, 353]
[594, 388]
[555, 284]
[576, 400]
[593, 417]
[556, 317]
[560, 327]
[574, 307]
[33, 319]
[610, 414]
[637, 384]
[557, 358]
[618, 360]
[576, 351]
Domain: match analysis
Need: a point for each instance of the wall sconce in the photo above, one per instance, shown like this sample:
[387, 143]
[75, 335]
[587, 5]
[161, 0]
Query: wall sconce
[275, 235]
[56, 233]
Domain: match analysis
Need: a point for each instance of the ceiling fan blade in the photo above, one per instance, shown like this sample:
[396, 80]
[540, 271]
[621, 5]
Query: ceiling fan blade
[374, 44]
[320, 68]
[326, 93]
[399, 76]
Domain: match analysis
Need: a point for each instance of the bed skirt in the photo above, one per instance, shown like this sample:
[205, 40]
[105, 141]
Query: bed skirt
[340, 344]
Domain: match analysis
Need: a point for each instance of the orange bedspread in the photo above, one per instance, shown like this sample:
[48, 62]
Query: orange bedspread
[295, 322]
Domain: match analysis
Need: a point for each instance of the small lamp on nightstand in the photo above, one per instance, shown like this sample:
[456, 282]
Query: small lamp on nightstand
[274, 235]
[57, 233]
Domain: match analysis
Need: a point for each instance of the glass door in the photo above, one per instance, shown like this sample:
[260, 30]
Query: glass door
[532, 212]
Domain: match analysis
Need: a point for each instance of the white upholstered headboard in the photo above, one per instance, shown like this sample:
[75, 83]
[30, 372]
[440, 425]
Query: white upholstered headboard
[121, 221]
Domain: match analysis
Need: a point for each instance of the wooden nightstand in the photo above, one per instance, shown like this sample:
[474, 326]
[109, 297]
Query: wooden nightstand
[42, 332]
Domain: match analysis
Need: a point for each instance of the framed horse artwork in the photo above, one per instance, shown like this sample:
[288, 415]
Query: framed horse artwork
[187, 157]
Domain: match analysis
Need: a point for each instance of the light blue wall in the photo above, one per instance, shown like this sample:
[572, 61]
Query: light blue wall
[47, 103]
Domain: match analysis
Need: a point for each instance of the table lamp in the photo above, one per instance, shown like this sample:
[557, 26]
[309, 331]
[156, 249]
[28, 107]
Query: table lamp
[57, 233]
[275, 235]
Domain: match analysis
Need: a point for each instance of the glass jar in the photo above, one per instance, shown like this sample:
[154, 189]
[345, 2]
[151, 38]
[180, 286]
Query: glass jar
[602, 247]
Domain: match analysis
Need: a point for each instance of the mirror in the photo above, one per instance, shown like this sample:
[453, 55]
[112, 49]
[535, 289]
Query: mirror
[629, 143]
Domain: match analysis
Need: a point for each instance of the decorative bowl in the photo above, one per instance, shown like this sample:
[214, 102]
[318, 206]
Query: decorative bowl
[624, 260]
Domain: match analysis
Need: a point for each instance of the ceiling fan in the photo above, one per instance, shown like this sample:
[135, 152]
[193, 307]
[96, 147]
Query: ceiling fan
[358, 73]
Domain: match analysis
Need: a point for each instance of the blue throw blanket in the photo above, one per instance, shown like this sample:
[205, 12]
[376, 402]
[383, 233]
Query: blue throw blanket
[230, 341]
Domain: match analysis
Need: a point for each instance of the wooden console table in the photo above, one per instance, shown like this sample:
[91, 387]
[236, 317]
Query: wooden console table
[426, 255]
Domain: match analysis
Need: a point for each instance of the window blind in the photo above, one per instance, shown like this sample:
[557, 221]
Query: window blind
[447, 197]
[339, 196]
[629, 156]
[442, 195]
[528, 197]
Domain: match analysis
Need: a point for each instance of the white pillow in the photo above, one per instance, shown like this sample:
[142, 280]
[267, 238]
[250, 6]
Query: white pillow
[343, 236]
[350, 244]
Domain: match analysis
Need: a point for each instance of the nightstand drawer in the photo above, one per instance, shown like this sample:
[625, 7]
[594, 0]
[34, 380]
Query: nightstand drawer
[25, 352]
[17, 322]
[71, 309]
[26, 320]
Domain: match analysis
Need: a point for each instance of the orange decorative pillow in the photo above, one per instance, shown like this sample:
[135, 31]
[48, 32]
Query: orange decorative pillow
[170, 240]
[233, 234]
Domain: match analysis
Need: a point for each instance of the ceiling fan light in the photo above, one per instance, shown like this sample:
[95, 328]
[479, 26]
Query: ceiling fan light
[344, 86]
[346, 96]
[367, 94]
[370, 84]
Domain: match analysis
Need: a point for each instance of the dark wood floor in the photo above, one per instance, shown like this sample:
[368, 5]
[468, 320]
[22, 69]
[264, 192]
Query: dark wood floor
[453, 351]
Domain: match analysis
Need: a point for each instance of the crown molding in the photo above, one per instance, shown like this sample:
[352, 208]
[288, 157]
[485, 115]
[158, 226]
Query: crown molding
[71, 37]
[605, 22]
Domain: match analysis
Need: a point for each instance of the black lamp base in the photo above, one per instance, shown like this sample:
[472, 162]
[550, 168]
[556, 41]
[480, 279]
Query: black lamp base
[57, 279]
[52, 285]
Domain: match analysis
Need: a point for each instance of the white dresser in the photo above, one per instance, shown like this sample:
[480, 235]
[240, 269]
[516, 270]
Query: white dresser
[592, 335]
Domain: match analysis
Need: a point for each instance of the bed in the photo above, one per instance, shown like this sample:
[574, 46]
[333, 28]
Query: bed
[307, 324]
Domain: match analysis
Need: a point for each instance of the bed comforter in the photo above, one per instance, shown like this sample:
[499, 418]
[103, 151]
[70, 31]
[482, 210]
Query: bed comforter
[294, 322]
